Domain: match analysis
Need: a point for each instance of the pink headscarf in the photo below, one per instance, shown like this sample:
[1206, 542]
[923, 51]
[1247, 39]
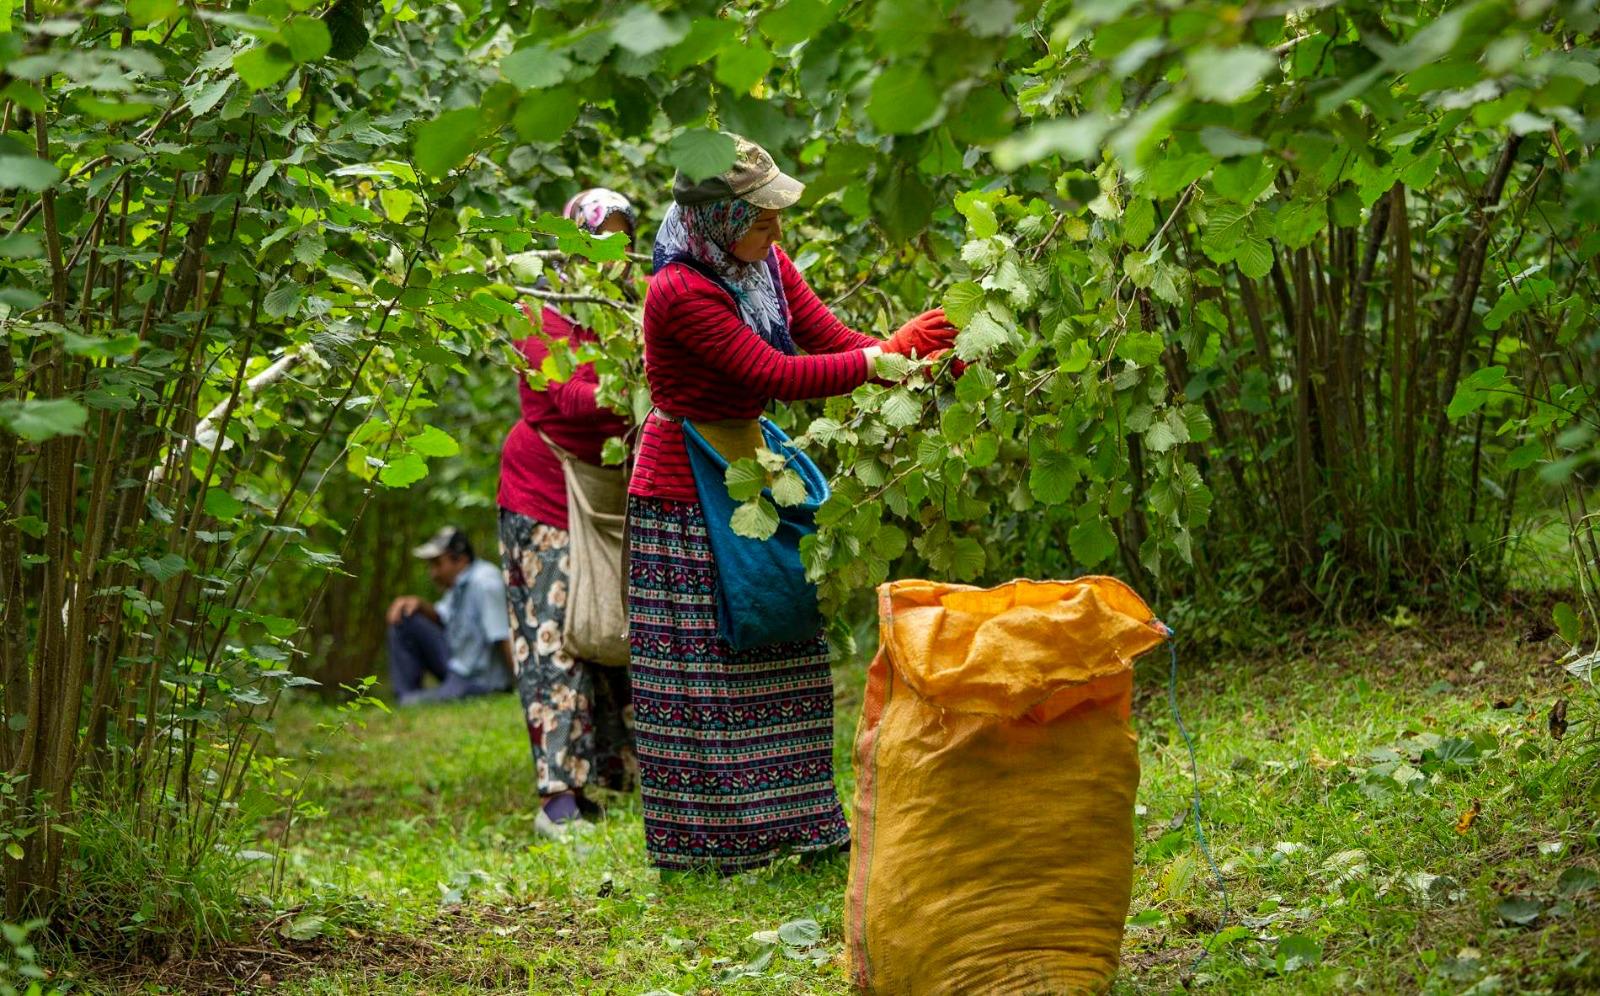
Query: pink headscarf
[592, 207]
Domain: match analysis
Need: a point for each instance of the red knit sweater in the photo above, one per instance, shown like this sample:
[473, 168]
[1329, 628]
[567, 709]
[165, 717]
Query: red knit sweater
[703, 362]
[531, 482]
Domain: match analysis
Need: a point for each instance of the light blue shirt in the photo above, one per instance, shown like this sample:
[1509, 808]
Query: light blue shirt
[475, 619]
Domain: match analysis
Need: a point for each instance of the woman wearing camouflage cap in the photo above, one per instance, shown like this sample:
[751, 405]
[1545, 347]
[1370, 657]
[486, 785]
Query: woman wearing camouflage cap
[735, 746]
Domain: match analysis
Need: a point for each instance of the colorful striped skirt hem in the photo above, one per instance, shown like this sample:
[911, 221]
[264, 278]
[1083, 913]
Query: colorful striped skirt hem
[735, 749]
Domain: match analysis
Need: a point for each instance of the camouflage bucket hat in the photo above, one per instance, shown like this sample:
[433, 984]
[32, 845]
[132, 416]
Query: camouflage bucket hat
[753, 177]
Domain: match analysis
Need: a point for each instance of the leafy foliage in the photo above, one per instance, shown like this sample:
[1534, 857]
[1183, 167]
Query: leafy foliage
[1283, 306]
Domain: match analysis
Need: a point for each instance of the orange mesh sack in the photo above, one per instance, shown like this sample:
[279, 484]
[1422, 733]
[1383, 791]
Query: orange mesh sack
[996, 769]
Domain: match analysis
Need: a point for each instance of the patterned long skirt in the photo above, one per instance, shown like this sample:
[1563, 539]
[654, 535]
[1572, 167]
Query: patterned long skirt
[579, 718]
[735, 749]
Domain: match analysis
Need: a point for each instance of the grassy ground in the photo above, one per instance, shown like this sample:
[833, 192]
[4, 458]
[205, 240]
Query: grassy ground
[1336, 776]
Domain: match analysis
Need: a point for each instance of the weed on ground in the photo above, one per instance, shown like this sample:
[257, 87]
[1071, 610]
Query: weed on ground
[1390, 809]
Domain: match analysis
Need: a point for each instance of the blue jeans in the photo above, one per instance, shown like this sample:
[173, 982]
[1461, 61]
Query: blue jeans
[417, 648]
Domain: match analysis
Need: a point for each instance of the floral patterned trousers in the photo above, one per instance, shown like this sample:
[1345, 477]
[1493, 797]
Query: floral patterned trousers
[580, 720]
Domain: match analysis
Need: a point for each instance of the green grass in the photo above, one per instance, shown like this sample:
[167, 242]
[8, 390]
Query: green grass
[1299, 755]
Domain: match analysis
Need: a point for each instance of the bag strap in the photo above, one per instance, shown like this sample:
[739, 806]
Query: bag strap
[562, 454]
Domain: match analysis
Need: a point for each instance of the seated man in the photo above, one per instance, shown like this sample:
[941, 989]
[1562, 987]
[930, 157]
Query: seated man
[463, 640]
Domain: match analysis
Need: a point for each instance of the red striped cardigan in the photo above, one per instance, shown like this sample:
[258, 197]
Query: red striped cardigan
[704, 363]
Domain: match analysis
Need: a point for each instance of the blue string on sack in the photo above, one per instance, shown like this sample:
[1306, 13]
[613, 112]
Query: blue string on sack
[1197, 813]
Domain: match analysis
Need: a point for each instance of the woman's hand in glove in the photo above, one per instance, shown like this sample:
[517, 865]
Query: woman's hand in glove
[927, 333]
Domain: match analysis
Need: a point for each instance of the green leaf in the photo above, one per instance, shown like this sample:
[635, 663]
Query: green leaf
[283, 300]
[983, 450]
[434, 442]
[545, 115]
[1079, 354]
[307, 38]
[1142, 349]
[1576, 881]
[903, 100]
[893, 367]
[614, 453]
[572, 239]
[788, 489]
[28, 173]
[983, 335]
[1052, 474]
[403, 472]
[984, 118]
[827, 430]
[796, 21]
[1074, 139]
[743, 64]
[30, 525]
[396, 204]
[536, 67]
[145, 12]
[904, 204]
[700, 153]
[900, 409]
[1474, 391]
[755, 519]
[957, 423]
[800, 933]
[1092, 542]
[980, 217]
[1226, 228]
[164, 569]
[1519, 910]
[1225, 143]
[263, 66]
[1139, 222]
[1568, 623]
[305, 927]
[445, 142]
[1299, 222]
[890, 543]
[114, 110]
[1296, 951]
[37, 420]
[1524, 456]
[643, 31]
[219, 504]
[967, 559]
[1255, 257]
[310, 247]
[1242, 181]
[961, 302]
[1160, 437]
[1227, 75]
[348, 28]
[745, 479]
[14, 850]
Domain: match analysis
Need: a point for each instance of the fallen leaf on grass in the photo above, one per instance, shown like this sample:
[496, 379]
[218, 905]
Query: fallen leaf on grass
[304, 927]
[1519, 910]
[1575, 881]
[1469, 816]
[1295, 952]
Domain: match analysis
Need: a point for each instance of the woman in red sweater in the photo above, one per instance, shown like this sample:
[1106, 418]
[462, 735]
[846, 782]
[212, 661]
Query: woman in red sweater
[577, 711]
[735, 747]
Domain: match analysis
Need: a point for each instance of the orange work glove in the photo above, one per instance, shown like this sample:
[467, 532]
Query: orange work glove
[927, 333]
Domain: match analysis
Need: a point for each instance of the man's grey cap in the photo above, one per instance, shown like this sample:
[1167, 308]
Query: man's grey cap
[447, 540]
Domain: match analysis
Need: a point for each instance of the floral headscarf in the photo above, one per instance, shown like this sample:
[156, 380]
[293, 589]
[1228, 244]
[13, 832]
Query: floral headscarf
[592, 207]
[702, 233]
